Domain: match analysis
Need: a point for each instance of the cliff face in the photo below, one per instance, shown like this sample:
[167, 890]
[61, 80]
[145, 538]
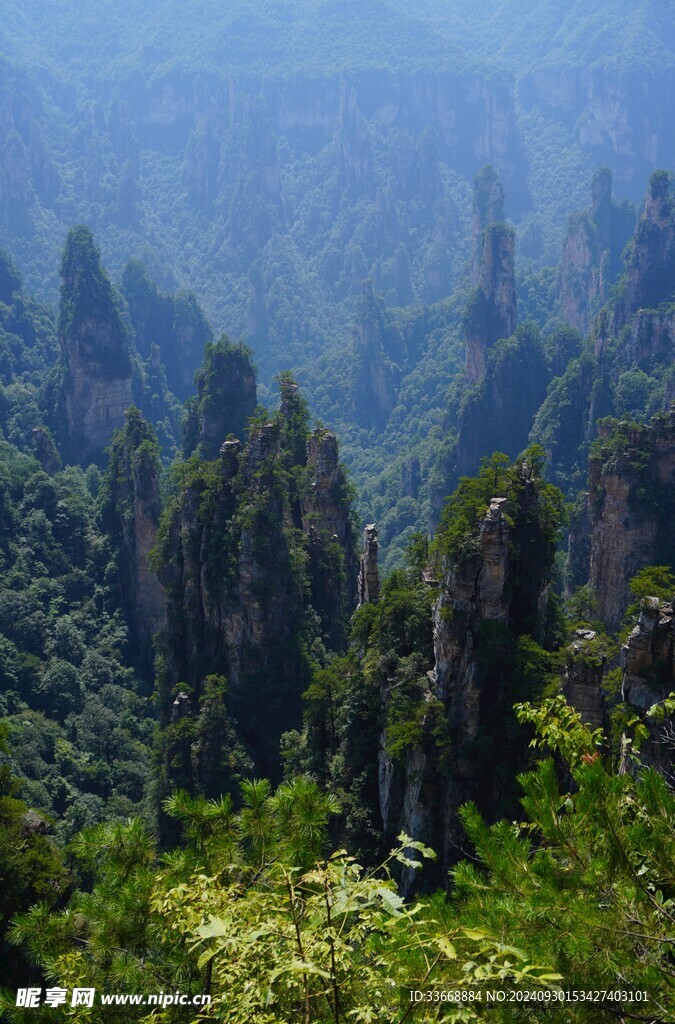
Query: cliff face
[507, 372]
[617, 115]
[256, 561]
[488, 598]
[352, 146]
[476, 118]
[632, 492]
[648, 663]
[582, 683]
[369, 579]
[262, 156]
[235, 601]
[131, 512]
[591, 257]
[488, 208]
[491, 313]
[473, 592]
[636, 327]
[26, 171]
[373, 380]
[243, 138]
[225, 400]
[323, 506]
[96, 386]
[174, 324]
[202, 158]
[651, 338]
[497, 416]
[272, 168]
[650, 271]
[626, 366]
[328, 528]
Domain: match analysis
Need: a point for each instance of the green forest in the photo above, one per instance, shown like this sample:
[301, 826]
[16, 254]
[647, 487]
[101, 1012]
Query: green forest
[337, 479]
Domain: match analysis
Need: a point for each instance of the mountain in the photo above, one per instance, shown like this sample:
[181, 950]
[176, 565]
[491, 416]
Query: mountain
[231, 150]
[274, 277]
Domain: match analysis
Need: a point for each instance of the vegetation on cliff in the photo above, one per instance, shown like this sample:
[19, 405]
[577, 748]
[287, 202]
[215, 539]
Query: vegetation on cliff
[252, 912]
[179, 571]
[225, 399]
[256, 554]
[87, 296]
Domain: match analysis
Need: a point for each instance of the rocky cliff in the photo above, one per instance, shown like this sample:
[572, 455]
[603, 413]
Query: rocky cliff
[356, 175]
[488, 208]
[328, 528]
[650, 270]
[173, 323]
[636, 328]
[507, 370]
[234, 595]
[27, 173]
[497, 415]
[323, 507]
[616, 114]
[491, 312]
[625, 367]
[256, 558]
[493, 593]
[592, 249]
[582, 682]
[131, 511]
[648, 663]
[369, 578]
[632, 498]
[95, 384]
[373, 375]
[225, 400]
[349, 161]
[506, 373]
[475, 118]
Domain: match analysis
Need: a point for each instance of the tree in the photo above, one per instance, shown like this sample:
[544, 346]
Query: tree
[587, 882]
[30, 865]
[653, 581]
[578, 896]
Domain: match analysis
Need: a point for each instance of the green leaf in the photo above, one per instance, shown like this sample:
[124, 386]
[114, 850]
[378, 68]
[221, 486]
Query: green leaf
[446, 947]
[299, 967]
[214, 928]
[206, 956]
[393, 903]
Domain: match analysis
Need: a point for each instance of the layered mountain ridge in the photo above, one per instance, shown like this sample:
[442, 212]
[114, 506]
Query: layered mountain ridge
[254, 165]
[184, 608]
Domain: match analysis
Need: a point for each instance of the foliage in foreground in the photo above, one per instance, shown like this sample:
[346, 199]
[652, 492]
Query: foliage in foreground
[577, 896]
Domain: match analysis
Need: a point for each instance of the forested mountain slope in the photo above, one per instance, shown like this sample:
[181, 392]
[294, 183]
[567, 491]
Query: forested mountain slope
[274, 155]
[449, 232]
